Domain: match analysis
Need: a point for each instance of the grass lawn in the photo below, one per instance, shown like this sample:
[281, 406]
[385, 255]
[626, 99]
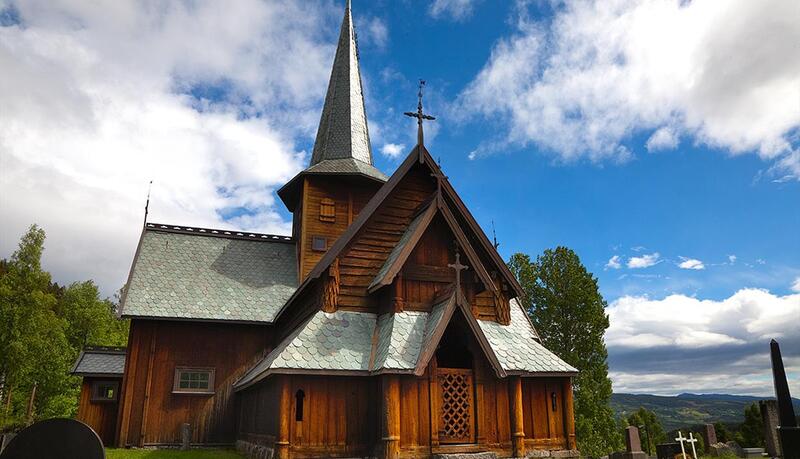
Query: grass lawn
[172, 454]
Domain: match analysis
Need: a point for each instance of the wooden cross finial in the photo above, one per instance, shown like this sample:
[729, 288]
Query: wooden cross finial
[419, 115]
[458, 267]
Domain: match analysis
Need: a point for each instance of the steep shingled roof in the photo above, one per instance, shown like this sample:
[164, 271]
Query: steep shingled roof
[100, 361]
[217, 275]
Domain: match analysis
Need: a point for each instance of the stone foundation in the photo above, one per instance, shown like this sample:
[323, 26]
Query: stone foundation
[254, 450]
[556, 453]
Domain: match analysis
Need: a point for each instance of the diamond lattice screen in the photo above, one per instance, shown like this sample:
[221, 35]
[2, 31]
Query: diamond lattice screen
[457, 407]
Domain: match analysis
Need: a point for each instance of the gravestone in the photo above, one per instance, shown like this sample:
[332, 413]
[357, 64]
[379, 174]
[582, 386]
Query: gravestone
[753, 452]
[788, 431]
[769, 418]
[55, 439]
[709, 434]
[633, 446]
[5, 439]
[668, 450]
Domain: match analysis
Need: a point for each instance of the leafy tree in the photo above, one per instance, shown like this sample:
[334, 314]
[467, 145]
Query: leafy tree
[723, 434]
[43, 327]
[751, 433]
[653, 432]
[565, 306]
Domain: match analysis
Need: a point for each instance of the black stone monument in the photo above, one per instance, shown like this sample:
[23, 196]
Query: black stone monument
[55, 439]
[788, 432]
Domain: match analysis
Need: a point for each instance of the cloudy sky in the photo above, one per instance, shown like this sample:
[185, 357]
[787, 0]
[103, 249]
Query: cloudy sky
[658, 139]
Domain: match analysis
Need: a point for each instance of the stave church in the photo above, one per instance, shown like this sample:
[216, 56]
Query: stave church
[387, 324]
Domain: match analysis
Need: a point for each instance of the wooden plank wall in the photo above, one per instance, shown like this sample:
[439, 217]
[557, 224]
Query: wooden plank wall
[151, 413]
[544, 426]
[258, 412]
[99, 415]
[361, 261]
[349, 197]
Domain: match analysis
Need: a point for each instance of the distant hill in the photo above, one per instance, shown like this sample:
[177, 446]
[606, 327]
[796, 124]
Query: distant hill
[687, 410]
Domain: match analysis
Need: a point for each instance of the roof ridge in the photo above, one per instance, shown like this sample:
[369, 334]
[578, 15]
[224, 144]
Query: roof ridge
[223, 233]
[104, 349]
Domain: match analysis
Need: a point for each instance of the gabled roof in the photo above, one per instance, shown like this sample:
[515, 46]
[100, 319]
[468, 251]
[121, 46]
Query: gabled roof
[100, 361]
[418, 155]
[209, 275]
[365, 344]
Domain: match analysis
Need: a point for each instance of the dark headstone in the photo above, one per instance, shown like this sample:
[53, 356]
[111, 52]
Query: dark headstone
[55, 439]
[769, 419]
[668, 450]
[788, 432]
[709, 434]
[753, 452]
[5, 439]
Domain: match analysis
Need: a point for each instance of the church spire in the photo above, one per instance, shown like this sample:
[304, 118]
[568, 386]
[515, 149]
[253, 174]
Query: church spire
[343, 132]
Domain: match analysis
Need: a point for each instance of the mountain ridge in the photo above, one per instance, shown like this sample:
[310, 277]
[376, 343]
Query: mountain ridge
[687, 409]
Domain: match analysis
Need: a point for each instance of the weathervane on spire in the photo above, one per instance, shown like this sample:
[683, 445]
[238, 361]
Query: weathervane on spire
[419, 115]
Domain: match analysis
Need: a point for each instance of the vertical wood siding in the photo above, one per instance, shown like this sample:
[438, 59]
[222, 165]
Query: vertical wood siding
[152, 414]
[99, 415]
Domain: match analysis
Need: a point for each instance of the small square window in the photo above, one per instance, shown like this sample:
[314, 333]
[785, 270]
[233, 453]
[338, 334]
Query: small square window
[194, 380]
[105, 391]
[327, 210]
[319, 244]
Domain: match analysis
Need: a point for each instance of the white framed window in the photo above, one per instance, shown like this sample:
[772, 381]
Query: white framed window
[105, 391]
[193, 380]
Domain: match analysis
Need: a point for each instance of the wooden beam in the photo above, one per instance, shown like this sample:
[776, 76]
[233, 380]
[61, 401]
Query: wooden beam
[517, 426]
[428, 273]
[569, 415]
[390, 416]
[284, 417]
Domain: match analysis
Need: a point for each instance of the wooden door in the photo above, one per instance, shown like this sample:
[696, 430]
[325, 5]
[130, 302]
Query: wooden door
[457, 406]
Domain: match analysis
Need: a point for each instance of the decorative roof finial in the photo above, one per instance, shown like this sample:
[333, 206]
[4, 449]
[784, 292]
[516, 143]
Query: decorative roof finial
[419, 115]
[147, 203]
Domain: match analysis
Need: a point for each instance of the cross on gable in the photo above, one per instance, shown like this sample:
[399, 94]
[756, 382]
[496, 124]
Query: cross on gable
[458, 267]
[419, 115]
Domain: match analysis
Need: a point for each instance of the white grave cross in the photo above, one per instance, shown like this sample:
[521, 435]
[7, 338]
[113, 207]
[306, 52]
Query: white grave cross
[682, 439]
[692, 440]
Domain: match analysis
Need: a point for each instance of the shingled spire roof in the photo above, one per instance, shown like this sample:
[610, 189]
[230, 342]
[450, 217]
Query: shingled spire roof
[342, 145]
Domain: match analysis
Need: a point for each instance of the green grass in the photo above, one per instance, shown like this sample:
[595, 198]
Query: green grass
[172, 454]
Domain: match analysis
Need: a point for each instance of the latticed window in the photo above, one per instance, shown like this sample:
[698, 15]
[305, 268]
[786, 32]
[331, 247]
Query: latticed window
[198, 380]
[456, 406]
[327, 210]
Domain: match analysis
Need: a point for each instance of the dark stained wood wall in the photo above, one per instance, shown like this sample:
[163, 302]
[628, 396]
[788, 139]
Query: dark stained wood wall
[339, 417]
[99, 415]
[349, 196]
[151, 413]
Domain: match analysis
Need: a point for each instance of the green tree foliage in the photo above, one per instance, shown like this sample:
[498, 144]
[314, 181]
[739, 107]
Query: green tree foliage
[42, 329]
[565, 305]
[652, 433]
[751, 433]
[723, 433]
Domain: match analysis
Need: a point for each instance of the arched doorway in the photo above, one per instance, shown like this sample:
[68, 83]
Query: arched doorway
[455, 379]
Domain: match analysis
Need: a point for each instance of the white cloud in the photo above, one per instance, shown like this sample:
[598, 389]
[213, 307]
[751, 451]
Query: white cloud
[372, 31]
[601, 72]
[731, 259]
[393, 150]
[614, 262]
[456, 10]
[645, 261]
[664, 138]
[680, 343]
[683, 321]
[796, 285]
[691, 263]
[99, 99]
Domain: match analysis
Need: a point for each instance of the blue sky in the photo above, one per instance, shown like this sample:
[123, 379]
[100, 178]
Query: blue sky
[670, 162]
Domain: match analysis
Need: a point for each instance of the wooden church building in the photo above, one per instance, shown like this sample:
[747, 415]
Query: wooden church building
[386, 325]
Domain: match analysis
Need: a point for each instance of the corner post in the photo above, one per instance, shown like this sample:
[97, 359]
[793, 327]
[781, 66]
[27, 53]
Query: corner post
[284, 418]
[569, 414]
[390, 416]
[517, 427]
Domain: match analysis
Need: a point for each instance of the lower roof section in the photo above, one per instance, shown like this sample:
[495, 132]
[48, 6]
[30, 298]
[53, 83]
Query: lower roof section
[361, 343]
[100, 361]
[200, 274]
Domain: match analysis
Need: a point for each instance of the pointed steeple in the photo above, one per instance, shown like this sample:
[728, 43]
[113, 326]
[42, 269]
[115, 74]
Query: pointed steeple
[342, 146]
[343, 131]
